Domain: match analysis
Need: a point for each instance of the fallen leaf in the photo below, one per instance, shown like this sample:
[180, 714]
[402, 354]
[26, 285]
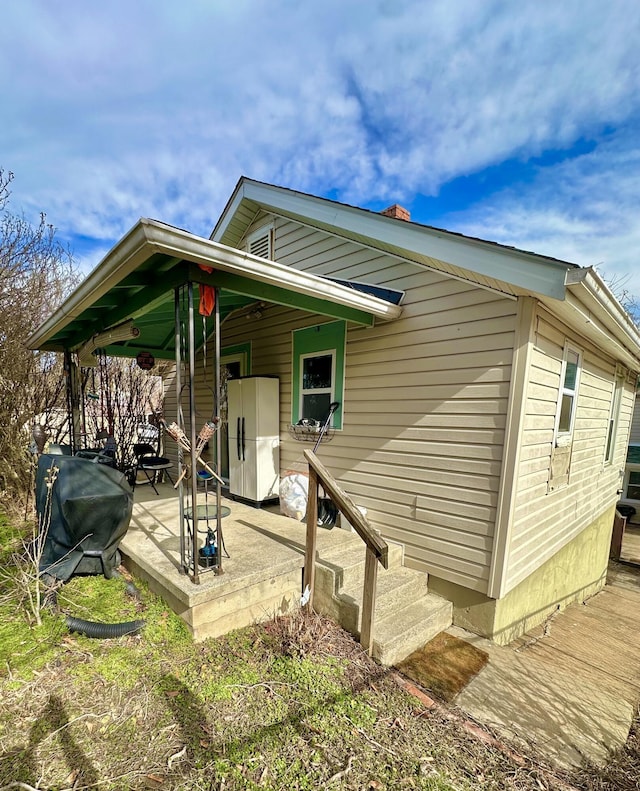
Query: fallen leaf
[173, 693]
[154, 780]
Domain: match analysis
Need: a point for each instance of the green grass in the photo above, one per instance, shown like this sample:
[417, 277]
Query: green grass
[254, 710]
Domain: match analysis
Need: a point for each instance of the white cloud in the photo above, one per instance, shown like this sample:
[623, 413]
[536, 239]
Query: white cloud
[155, 108]
[584, 211]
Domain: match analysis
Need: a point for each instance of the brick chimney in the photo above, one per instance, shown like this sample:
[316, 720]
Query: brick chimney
[397, 212]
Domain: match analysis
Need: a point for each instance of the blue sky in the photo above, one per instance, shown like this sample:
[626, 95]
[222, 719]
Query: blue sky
[515, 122]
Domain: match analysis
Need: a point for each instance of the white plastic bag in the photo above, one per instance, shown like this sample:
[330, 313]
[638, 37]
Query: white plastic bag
[294, 493]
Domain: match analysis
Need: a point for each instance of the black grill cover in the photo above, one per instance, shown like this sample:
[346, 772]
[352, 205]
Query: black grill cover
[91, 506]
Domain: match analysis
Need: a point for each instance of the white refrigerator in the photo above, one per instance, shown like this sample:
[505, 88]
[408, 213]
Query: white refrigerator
[253, 408]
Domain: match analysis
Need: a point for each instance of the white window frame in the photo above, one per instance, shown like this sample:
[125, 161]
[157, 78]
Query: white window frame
[625, 488]
[563, 438]
[614, 416]
[317, 390]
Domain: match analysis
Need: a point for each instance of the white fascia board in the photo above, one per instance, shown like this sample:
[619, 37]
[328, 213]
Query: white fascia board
[180, 244]
[119, 262]
[534, 273]
[596, 307]
[229, 211]
[149, 236]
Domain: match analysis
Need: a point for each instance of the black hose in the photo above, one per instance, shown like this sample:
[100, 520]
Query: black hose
[103, 630]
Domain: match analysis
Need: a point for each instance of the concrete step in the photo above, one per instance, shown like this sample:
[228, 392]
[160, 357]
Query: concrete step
[400, 633]
[343, 568]
[396, 587]
[346, 563]
[406, 617]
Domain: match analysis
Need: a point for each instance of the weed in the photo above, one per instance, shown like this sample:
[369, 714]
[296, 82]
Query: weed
[291, 704]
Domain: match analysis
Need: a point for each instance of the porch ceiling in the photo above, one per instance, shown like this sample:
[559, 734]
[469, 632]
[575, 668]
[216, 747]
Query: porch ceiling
[136, 280]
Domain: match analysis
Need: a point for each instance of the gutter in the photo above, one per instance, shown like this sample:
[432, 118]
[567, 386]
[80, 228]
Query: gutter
[149, 236]
[587, 290]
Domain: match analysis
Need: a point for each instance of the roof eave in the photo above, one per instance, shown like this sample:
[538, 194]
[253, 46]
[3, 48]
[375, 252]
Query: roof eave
[528, 271]
[120, 261]
[149, 236]
[595, 306]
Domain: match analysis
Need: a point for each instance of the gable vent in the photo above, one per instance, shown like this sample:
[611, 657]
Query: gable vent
[260, 243]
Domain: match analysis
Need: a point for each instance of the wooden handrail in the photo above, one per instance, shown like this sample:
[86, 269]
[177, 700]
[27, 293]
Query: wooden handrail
[345, 504]
[377, 550]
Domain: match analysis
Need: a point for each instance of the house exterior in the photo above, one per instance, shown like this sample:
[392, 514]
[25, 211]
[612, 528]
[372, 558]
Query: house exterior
[630, 494]
[486, 393]
[484, 429]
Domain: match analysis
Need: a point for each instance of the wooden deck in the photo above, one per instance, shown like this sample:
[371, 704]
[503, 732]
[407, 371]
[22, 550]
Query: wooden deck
[570, 687]
[631, 544]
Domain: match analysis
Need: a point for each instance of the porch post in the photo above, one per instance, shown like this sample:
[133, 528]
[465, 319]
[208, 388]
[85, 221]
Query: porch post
[219, 539]
[72, 380]
[178, 343]
[193, 436]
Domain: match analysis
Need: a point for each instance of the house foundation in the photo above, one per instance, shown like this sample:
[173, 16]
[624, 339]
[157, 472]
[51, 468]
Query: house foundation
[574, 573]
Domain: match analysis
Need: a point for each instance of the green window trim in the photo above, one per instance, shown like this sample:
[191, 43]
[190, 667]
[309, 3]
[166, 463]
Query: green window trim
[239, 350]
[320, 339]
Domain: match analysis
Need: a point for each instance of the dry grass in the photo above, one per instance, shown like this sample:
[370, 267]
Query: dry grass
[292, 704]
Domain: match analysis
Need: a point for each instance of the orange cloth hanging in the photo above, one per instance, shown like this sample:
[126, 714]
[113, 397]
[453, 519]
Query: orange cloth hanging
[207, 294]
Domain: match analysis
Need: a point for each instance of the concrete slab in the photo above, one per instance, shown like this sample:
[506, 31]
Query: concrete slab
[570, 688]
[262, 575]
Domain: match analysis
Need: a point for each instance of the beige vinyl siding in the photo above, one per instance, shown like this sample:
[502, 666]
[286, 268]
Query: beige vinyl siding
[424, 402]
[204, 404]
[545, 521]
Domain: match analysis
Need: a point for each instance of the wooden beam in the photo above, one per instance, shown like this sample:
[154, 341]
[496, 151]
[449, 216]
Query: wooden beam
[308, 579]
[369, 600]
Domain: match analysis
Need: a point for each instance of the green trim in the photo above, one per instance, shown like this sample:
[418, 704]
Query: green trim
[320, 338]
[282, 296]
[238, 349]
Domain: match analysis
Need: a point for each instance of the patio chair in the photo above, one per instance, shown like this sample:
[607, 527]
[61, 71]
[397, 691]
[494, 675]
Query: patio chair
[150, 464]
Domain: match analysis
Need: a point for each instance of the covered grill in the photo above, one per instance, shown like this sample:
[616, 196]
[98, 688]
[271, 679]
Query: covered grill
[85, 517]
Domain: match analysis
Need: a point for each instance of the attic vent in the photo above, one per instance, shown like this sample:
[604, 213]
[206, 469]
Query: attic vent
[259, 243]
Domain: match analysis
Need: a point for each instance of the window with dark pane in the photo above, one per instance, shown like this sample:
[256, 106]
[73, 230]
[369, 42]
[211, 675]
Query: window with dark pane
[565, 413]
[316, 406]
[633, 487]
[316, 372]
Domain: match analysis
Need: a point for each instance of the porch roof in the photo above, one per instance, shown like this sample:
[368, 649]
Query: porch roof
[137, 278]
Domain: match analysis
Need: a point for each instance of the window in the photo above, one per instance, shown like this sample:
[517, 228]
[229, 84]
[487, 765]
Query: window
[561, 450]
[567, 403]
[318, 372]
[613, 418]
[632, 484]
[317, 386]
[237, 360]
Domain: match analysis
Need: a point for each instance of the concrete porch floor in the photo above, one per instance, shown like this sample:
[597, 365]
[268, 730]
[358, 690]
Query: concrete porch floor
[261, 577]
